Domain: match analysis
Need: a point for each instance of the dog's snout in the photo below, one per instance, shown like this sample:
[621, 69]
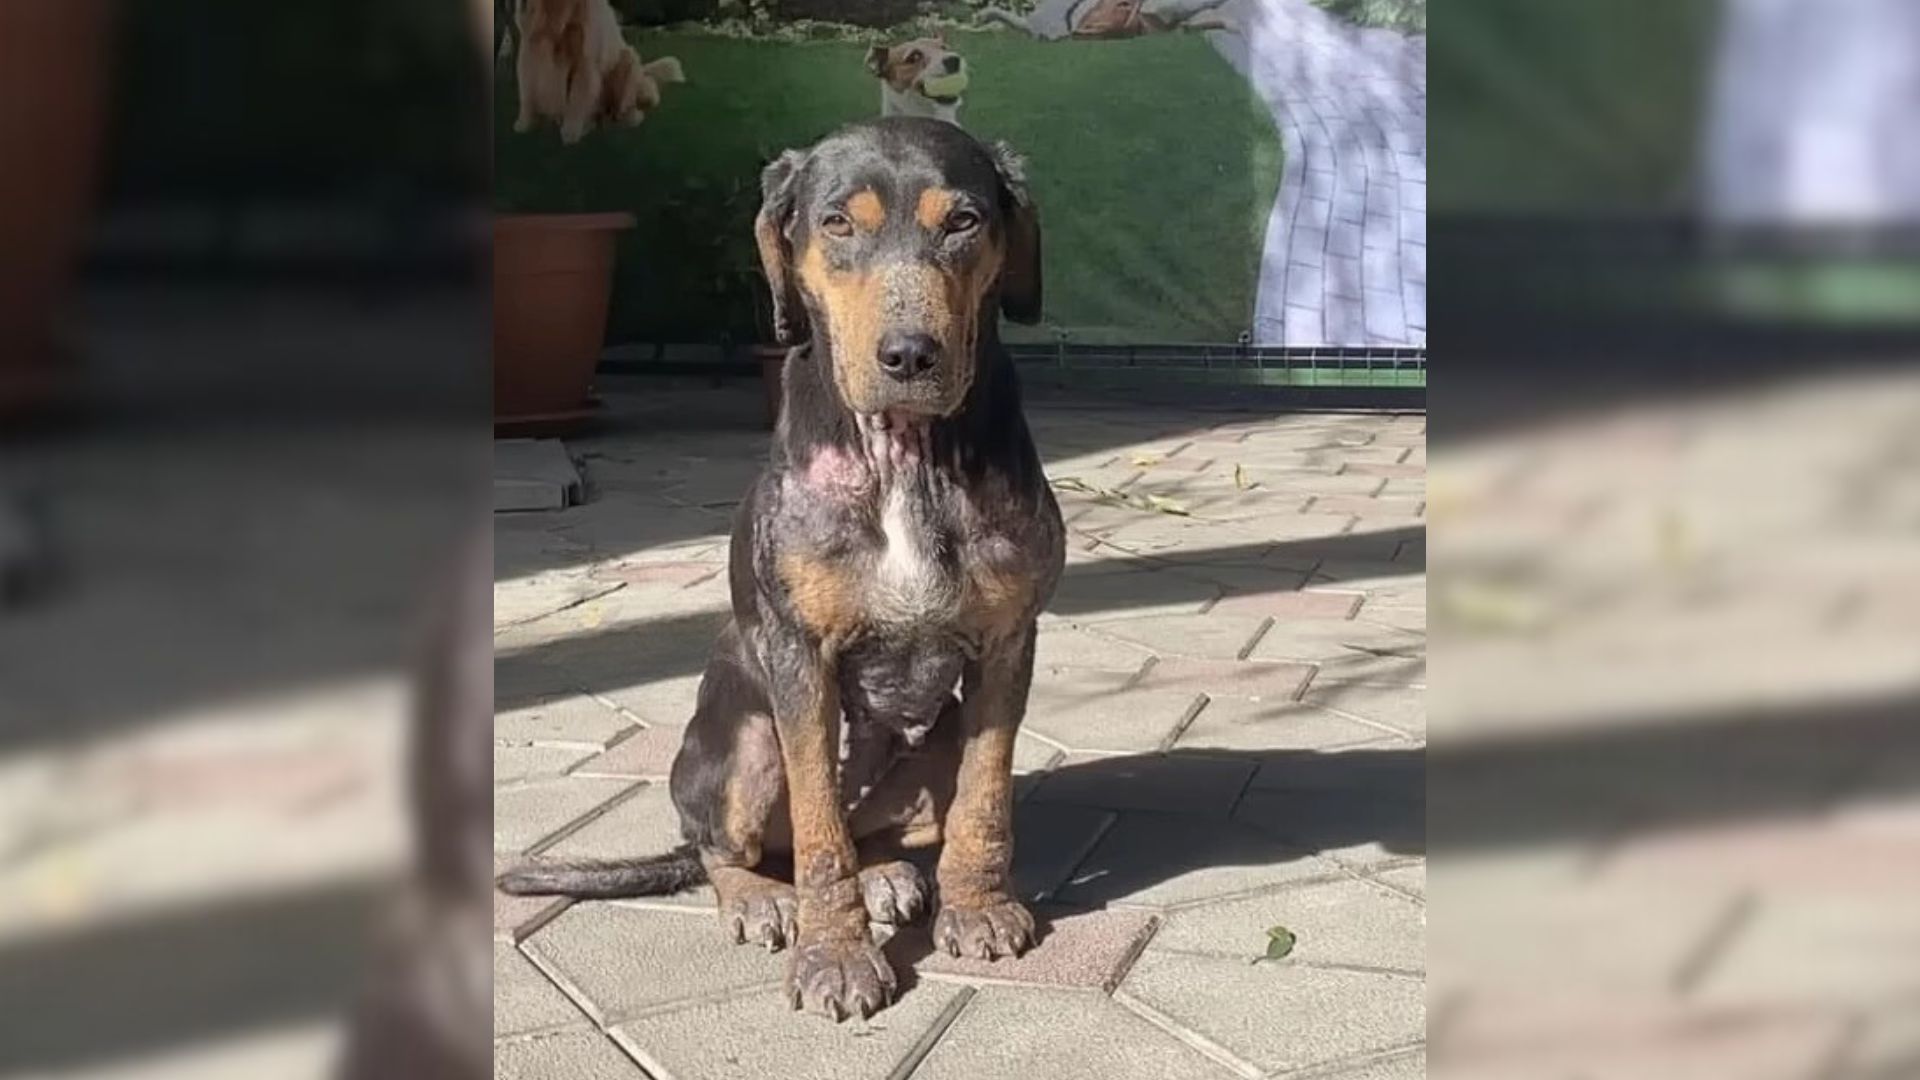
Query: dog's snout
[906, 356]
[950, 65]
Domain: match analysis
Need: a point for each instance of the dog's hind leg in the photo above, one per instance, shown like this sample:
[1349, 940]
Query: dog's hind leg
[903, 814]
[582, 106]
[527, 75]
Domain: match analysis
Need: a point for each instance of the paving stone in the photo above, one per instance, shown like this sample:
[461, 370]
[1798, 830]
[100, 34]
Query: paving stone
[1050, 839]
[759, 1037]
[1216, 635]
[1067, 645]
[662, 703]
[1228, 723]
[1122, 722]
[1156, 860]
[1346, 651]
[1399, 708]
[525, 815]
[1358, 826]
[1340, 922]
[575, 721]
[1290, 605]
[1238, 678]
[1084, 949]
[645, 823]
[539, 595]
[514, 917]
[618, 959]
[512, 764]
[523, 999]
[1173, 783]
[1093, 593]
[575, 1055]
[1412, 879]
[646, 754]
[1278, 1016]
[1083, 1037]
[1396, 1067]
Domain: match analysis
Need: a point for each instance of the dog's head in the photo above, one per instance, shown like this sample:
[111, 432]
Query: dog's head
[923, 66]
[894, 239]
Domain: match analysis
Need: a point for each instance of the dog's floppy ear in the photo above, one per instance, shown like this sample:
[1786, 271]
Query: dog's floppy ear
[1020, 273]
[877, 60]
[770, 228]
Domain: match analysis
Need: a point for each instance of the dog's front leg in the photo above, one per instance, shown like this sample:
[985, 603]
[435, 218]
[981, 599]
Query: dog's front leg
[978, 915]
[835, 969]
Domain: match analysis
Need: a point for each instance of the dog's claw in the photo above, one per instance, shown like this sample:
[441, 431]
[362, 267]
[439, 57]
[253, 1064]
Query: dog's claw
[838, 978]
[993, 931]
[895, 892]
[765, 917]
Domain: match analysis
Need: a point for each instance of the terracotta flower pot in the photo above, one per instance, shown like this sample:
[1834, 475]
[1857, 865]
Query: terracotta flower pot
[552, 276]
[53, 79]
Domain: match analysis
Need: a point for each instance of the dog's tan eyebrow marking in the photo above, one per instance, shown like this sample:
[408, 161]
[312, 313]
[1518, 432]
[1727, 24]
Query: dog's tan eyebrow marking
[866, 210]
[935, 205]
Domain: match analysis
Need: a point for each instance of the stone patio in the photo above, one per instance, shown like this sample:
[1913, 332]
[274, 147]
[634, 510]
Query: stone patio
[1225, 734]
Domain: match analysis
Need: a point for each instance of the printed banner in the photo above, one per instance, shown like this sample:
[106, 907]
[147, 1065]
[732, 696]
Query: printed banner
[1208, 171]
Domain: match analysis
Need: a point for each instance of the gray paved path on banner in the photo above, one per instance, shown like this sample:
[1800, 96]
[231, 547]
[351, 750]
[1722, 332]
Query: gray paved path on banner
[1345, 258]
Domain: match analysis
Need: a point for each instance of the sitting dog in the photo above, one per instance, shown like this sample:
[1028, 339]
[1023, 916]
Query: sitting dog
[898, 546]
[919, 78]
[575, 68]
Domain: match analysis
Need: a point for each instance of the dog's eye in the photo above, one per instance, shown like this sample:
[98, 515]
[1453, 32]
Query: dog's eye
[962, 221]
[914, 57]
[837, 225]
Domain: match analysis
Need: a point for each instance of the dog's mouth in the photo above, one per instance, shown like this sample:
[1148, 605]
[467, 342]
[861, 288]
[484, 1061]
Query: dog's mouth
[896, 437]
[938, 99]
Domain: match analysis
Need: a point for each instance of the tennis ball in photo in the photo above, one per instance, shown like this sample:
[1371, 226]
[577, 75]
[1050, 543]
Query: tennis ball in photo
[945, 85]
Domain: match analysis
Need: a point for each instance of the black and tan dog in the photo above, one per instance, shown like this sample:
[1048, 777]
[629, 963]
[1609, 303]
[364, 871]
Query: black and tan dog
[898, 546]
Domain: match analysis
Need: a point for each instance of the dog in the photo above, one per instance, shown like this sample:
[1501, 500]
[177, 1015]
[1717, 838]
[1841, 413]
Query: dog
[900, 543]
[575, 68]
[911, 72]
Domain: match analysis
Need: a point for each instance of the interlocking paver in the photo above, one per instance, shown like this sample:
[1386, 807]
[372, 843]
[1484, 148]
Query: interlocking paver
[577, 1055]
[623, 961]
[1235, 723]
[574, 721]
[525, 814]
[1337, 922]
[760, 1037]
[1184, 783]
[1086, 949]
[1084, 1037]
[523, 999]
[1156, 860]
[1133, 721]
[1280, 1016]
[1215, 636]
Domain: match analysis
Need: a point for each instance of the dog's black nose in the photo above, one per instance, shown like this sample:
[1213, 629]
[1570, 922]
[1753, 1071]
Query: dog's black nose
[905, 356]
[950, 65]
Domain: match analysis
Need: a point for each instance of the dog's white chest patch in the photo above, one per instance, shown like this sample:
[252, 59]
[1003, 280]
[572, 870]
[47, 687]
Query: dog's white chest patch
[912, 580]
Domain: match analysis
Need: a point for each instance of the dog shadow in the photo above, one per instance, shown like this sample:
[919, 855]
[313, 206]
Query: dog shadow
[1145, 830]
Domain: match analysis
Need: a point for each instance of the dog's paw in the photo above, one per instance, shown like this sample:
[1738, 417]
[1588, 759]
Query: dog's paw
[895, 892]
[523, 125]
[991, 931]
[762, 916]
[840, 978]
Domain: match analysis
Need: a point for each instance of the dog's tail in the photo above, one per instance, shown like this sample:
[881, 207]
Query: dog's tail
[666, 70]
[655, 875]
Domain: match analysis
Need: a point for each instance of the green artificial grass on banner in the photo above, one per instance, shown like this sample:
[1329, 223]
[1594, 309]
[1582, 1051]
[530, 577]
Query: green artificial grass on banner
[1154, 164]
